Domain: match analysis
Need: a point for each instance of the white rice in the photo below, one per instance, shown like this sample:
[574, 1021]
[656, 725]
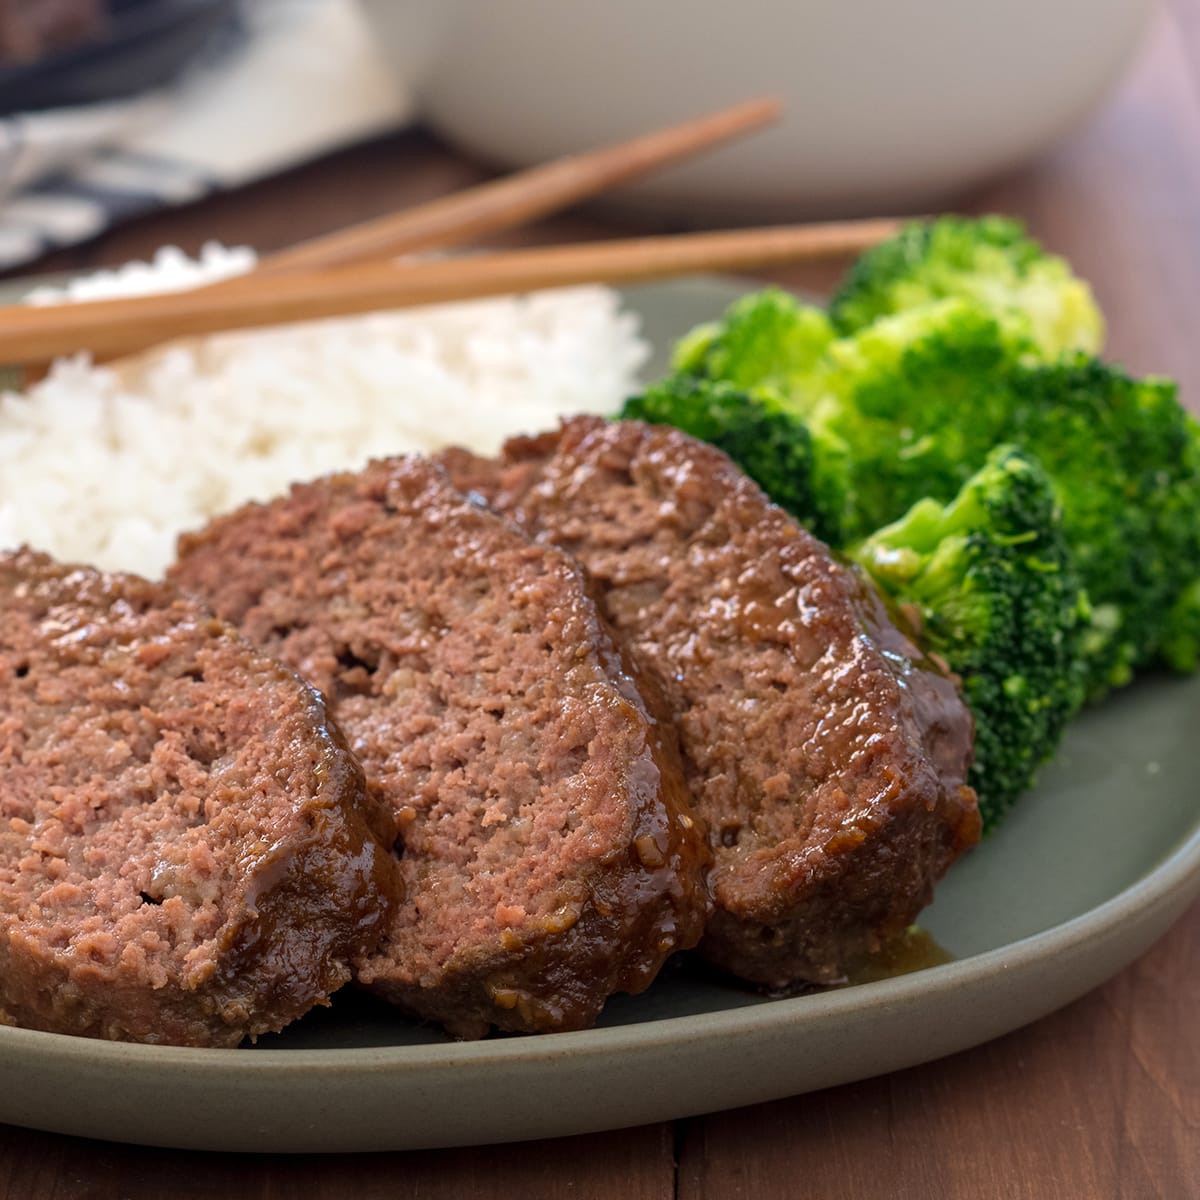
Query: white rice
[109, 468]
[170, 271]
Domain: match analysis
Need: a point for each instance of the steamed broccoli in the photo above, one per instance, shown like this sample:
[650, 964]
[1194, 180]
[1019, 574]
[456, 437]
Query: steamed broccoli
[1181, 638]
[769, 444]
[910, 406]
[886, 410]
[988, 580]
[769, 341]
[990, 261]
[1117, 449]
[765, 339]
[1037, 509]
[767, 345]
[1180, 641]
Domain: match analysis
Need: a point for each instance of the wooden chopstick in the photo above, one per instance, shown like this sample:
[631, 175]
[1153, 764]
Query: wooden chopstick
[523, 197]
[503, 203]
[113, 327]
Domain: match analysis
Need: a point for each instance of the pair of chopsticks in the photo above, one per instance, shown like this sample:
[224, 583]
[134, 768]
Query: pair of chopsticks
[353, 271]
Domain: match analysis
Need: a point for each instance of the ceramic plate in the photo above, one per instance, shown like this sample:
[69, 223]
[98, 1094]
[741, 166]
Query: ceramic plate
[1087, 872]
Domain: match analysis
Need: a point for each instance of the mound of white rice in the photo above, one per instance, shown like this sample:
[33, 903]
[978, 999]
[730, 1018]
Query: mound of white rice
[108, 467]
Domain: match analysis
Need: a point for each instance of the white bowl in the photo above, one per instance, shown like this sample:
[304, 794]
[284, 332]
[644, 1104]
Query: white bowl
[892, 104]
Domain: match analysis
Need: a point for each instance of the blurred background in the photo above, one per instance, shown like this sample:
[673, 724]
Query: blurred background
[112, 108]
[115, 108]
[129, 124]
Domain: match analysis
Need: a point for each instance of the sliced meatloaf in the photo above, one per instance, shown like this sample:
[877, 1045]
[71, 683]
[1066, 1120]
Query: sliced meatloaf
[185, 854]
[825, 756]
[541, 818]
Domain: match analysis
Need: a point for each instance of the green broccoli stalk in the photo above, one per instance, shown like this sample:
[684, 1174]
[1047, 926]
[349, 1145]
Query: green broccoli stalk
[988, 580]
[767, 442]
[990, 261]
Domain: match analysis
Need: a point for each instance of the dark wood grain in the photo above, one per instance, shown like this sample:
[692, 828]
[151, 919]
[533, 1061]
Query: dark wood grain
[1099, 1100]
[636, 1164]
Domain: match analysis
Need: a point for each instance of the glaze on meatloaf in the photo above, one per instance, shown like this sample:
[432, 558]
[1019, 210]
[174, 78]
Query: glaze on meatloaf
[540, 815]
[827, 759]
[185, 854]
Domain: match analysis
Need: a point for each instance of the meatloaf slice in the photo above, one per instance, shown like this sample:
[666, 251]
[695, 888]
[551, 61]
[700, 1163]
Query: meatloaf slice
[825, 756]
[547, 850]
[184, 846]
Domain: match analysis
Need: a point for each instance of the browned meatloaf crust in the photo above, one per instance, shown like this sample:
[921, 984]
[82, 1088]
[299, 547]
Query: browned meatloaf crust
[547, 850]
[184, 854]
[827, 762]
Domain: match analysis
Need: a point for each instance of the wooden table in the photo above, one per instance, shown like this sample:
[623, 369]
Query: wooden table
[1099, 1100]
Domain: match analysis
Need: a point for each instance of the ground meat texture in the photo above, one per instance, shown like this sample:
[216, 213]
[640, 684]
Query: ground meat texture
[825, 757]
[540, 816]
[185, 851]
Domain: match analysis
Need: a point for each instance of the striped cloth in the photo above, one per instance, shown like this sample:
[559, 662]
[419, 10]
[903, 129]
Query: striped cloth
[284, 82]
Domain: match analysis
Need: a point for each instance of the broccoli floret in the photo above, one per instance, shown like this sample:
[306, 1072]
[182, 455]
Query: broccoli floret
[1044, 571]
[1117, 449]
[1179, 645]
[990, 261]
[886, 412]
[769, 345]
[765, 339]
[989, 582]
[854, 396]
[910, 407]
[767, 442]
[1181, 638]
